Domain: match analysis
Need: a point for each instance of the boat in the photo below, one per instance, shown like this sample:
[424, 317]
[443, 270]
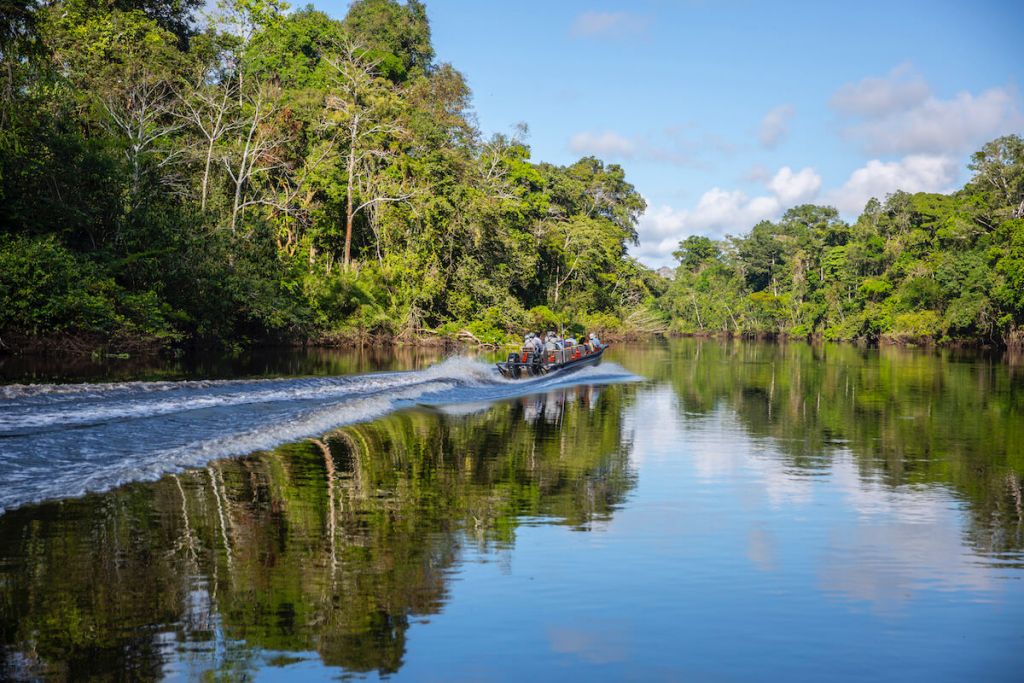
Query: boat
[529, 363]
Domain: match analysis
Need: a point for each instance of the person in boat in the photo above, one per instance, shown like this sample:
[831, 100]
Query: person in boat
[595, 343]
[536, 345]
[569, 342]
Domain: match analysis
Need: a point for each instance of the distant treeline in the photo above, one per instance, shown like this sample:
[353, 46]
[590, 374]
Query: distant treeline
[258, 176]
[918, 268]
[251, 175]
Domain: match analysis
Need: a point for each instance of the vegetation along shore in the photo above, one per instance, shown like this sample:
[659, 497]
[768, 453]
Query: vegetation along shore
[266, 176]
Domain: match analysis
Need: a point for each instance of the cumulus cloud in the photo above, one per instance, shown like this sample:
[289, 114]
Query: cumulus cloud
[913, 173]
[775, 125]
[897, 91]
[717, 212]
[607, 143]
[614, 25]
[720, 211]
[795, 188]
[958, 125]
[898, 114]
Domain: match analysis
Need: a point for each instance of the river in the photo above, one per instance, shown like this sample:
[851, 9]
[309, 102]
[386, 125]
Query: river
[693, 510]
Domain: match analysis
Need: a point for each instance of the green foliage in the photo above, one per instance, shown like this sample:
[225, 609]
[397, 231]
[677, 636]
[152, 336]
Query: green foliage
[271, 177]
[697, 250]
[352, 537]
[914, 268]
[543, 318]
[44, 287]
[267, 177]
[396, 35]
[601, 323]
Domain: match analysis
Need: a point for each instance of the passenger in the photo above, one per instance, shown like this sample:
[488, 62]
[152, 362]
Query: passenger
[536, 343]
[595, 343]
[569, 342]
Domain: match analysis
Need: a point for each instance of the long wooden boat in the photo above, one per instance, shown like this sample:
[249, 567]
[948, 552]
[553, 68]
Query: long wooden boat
[534, 364]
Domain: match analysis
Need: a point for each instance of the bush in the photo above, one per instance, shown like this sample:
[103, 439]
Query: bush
[542, 317]
[874, 288]
[47, 289]
[916, 326]
[601, 323]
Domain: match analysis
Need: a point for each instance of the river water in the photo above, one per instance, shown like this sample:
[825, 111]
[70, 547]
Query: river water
[684, 511]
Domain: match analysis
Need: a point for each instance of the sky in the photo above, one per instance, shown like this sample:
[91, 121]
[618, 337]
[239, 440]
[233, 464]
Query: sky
[724, 113]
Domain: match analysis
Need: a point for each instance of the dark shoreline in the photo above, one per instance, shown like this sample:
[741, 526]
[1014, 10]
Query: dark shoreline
[119, 347]
[90, 349]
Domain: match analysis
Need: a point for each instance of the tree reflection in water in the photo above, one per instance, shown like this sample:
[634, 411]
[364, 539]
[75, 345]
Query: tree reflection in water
[907, 417]
[895, 474]
[330, 545]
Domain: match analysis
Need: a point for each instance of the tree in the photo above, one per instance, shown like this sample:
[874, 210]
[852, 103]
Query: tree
[762, 256]
[364, 107]
[999, 168]
[394, 36]
[696, 251]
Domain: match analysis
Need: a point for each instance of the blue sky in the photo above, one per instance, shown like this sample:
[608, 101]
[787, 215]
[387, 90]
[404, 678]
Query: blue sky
[724, 113]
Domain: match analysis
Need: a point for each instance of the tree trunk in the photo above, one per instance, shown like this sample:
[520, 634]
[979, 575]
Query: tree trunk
[206, 175]
[348, 208]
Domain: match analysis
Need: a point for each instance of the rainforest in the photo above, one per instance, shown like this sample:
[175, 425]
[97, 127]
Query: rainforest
[175, 174]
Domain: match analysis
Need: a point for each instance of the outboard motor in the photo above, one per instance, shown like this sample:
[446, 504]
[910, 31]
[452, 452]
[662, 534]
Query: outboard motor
[513, 364]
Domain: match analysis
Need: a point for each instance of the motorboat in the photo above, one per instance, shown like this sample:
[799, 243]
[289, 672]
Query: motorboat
[530, 363]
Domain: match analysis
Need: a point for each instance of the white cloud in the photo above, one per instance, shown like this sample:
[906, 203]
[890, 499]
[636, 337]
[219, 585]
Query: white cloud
[719, 212]
[614, 25]
[914, 173]
[961, 124]
[607, 143]
[898, 114]
[897, 91]
[775, 125]
[670, 146]
[795, 188]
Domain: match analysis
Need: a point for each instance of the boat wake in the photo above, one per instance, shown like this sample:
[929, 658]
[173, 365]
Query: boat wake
[59, 441]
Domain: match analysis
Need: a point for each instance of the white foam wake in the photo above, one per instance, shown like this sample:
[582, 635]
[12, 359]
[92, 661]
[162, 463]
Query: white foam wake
[60, 441]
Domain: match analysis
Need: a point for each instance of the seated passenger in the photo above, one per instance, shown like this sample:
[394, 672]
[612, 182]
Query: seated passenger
[595, 343]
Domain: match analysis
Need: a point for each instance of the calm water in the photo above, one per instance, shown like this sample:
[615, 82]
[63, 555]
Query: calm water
[692, 511]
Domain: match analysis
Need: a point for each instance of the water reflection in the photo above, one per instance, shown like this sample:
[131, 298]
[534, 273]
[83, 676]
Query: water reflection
[260, 362]
[329, 546]
[754, 512]
[903, 421]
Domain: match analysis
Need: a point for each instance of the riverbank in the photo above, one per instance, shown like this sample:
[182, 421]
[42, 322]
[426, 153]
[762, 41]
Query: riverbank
[78, 349]
[1014, 341]
[127, 345]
